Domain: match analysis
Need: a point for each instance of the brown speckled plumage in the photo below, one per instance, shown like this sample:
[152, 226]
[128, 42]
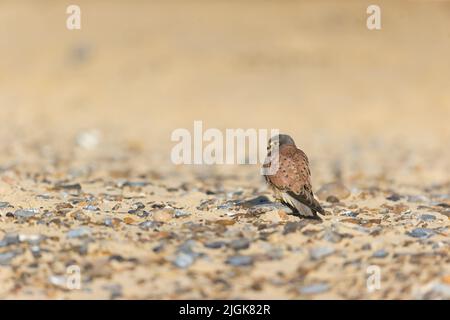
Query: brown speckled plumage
[292, 180]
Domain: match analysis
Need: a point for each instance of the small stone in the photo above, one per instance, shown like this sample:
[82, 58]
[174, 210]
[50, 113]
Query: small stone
[138, 206]
[427, 217]
[25, 213]
[183, 260]
[146, 225]
[6, 257]
[79, 232]
[240, 244]
[417, 198]
[4, 205]
[112, 222]
[421, 233]
[394, 197]
[335, 189]
[239, 261]
[332, 199]
[291, 227]
[181, 213]
[320, 252]
[380, 253]
[91, 208]
[314, 288]
[215, 244]
[332, 236]
[351, 214]
[9, 239]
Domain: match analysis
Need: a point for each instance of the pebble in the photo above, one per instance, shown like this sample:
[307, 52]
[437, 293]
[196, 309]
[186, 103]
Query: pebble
[421, 233]
[7, 256]
[79, 232]
[215, 244]
[146, 225]
[25, 213]
[380, 253]
[239, 244]
[91, 208]
[315, 288]
[4, 205]
[332, 236]
[427, 217]
[183, 260]
[240, 260]
[350, 214]
[320, 252]
[9, 239]
[332, 199]
[181, 213]
[394, 197]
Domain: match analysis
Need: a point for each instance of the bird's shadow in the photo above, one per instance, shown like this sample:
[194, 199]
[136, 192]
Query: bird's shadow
[264, 201]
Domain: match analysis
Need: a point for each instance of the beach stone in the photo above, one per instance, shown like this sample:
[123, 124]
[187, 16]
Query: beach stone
[9, 239]
[79, 232]
[25, 213]
[183, 260]
[215, 244]
[239, 261]
[181, 213]
[6, 257]
[380, 253]
[146, 225]
[421, 233]
[394, 197]
[314, 288]
[332, 199]
[239, 244]
[427, 217]
[320, 252]
[4, 205]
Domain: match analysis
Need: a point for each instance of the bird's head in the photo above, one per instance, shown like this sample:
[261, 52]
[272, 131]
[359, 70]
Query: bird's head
[280, 140]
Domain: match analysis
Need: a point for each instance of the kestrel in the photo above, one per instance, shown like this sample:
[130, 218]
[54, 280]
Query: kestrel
[291, 181]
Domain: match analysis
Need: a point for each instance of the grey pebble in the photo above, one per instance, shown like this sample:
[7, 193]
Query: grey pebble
[421, 233]
[215, 244]
[380, 253]
[91, 208]
[79, 232]
[9, 239]
[351, 214]
[314, 288]
[427, 217]
[25, 213]
[239, 244]
[4, 205]
[320, 252]
[7, 256]
[181, 213]
[183, 260]
[240, 260]
[150, 224]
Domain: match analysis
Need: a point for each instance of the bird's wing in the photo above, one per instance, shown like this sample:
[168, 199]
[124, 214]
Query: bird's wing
[294, 177]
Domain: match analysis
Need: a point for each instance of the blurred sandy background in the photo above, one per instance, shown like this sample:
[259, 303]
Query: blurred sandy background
[138, 70]
[374, 103]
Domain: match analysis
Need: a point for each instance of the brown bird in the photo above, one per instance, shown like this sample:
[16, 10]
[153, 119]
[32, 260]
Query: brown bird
[290, 177]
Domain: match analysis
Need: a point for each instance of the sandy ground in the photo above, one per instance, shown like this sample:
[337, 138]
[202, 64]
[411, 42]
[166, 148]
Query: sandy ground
[86, 179]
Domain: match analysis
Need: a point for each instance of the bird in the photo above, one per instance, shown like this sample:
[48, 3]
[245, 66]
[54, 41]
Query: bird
[291, 179]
